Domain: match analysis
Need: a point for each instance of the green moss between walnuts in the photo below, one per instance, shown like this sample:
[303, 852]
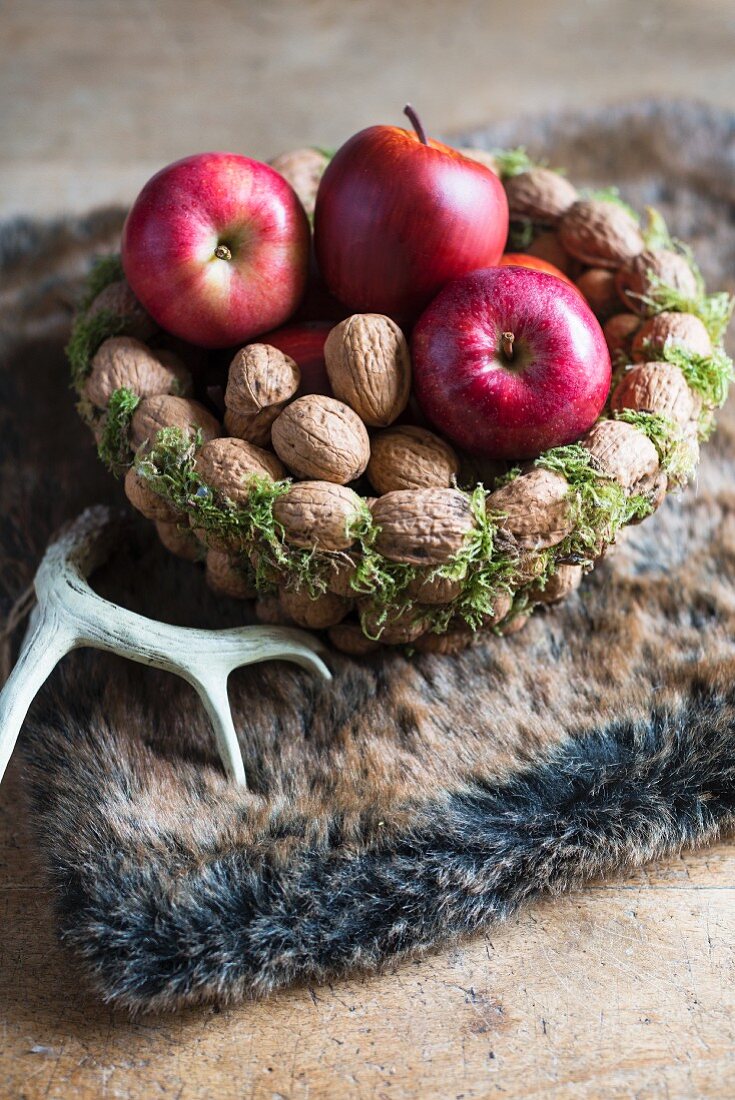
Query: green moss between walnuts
[677, 457]
[610, 194]
[708, 375]
[86, 336]
[512, 162]
[114, 445]
[104, 270]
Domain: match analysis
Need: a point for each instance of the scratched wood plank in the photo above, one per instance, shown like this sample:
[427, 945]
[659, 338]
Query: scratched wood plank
[624, 989]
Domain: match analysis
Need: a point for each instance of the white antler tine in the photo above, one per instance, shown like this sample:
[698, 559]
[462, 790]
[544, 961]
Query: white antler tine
[70, 614]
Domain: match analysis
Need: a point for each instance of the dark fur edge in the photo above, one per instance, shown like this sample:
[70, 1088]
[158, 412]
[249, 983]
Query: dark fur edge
[244, 924]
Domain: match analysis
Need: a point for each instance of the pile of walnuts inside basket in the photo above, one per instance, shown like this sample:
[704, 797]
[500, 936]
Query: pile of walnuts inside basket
[403, 393]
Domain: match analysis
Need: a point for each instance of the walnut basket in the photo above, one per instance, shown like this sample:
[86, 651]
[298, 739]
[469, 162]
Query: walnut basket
[336, 514]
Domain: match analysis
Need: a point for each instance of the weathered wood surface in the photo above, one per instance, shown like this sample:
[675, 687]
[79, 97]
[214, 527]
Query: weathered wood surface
[626, 989]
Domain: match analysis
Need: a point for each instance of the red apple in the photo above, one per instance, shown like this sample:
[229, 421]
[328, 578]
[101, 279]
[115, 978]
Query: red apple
[397, 216]
[508, 362]
[216, 247]
[523, 259]
[304, 342]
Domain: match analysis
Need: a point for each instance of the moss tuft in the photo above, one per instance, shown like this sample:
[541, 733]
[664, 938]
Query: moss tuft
[676, 456]
[86, 336]
[714, 310]
[708, 375]
[104, 270]
[114, 445]
[511, 162]
[656, 232]
[610, 194]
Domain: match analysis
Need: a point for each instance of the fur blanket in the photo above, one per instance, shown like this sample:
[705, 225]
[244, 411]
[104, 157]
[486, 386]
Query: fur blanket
[414, 800]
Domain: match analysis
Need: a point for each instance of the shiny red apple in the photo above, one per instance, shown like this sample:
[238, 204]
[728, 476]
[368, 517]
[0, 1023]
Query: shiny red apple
[216, 247]
[398, 216]
[304, 342]
[508, 362]
[523, 259]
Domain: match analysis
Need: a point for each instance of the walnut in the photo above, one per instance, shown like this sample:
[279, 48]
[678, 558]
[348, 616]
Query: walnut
[268, 610]
[122, 361]
[453, 641]
[226, 578]
[619, 332]
[620, 451]
[369, 367]
[534, 508]
[682, 330]
[179, 540]
[408, 457]
[303, 169]
[600, 233]
[261, 380]
[541, 195]
[161, 411]
[395, 629]
[654, 488]
[562, 582]
[228, 466]
[146, 500]
[429, 589]
[482, 156]
[598, 286]
[548, 247]
[516, 623]
[314, 614]
[184, 384]
[117, 298]
[340, 574]
[642, 274]
[657, 388]
[422, 526]
[318, 515]
[321, 438]
[349, 639]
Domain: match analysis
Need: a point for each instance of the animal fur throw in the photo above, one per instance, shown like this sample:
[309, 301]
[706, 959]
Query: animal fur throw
[415, 800]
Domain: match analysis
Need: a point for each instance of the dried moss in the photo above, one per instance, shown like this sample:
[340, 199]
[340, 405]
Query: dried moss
[708, 375]
[676, 456]
[114, 445]
[86, 336]
[512, 162]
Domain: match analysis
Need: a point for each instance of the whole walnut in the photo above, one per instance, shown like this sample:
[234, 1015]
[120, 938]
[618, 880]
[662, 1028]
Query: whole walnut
[621, 452]
[268, 610]
[422, 526]
[319, 515]
[118, 299]
[261, 380]
[640, 278]
[122, 361]
[349, 639]
[148, 502]
[179, 540]
[161, 411]
[534, 508]
[659, 388]
[227, 578]
[562, 582]
[228, 466]
[452, 641]
[540, 194]
[369, 367]
[547, 246]
[428, 588]
[303, 168]
[670, 329]
[619, 331]
[598, 286]
[409, 457]
[321, 438]
[314, 613]
[600, 233]
[400, 628]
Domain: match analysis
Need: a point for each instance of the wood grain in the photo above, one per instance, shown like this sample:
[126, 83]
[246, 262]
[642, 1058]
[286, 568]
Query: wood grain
[626, 989]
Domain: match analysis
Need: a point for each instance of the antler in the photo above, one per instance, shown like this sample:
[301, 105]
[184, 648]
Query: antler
[69, 615]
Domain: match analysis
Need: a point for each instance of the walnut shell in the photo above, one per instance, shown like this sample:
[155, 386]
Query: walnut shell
[400, 629]
[314, 614]
[228, 466]
[657, 388]
[303, 169]
[620, 451]
[640, 276]
[619, 332]
[540, 194]
[534, 508]
[516, 623]
[559, 585]
[433, 590]
[547, 246]
[654, 489]
[321, 438]
[268, 610]
[598, 286]
[145, 500]
[163, 411]
[670, 329]
[179, 540]
[319, 515]
[600, 233]
[369, 367]
[482, 156]
[408, 457]
[422, 526]
[340, 573]
[118, 298]
[349, 639]
[453, 641]
[122, 361]
[252, 427]
[261, 379]
[225, 577]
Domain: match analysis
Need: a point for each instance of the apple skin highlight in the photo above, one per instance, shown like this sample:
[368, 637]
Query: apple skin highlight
[552, 389]
[396, 219]
[216, 248]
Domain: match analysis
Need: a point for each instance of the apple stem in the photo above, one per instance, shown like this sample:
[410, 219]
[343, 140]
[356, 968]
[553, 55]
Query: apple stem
[222, 252]
[508, 339]
[416, 123]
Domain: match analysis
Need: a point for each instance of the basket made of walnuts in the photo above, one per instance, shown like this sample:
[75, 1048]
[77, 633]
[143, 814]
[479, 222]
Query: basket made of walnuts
[343, 511]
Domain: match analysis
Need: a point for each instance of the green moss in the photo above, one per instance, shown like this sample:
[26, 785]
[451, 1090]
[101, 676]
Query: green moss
[714, 310]
[520, 235]
[610, 194]
[708, 375]
[655, 231]
[114, 446]
[104, 270]
[512, 162]
[676, 456]
[86, 336]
